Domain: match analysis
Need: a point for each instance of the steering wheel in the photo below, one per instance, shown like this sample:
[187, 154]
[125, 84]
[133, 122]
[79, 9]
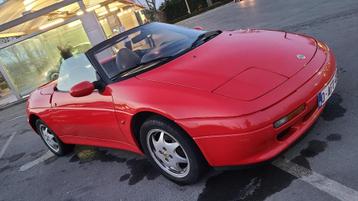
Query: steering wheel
[163, 43]
[165, 49]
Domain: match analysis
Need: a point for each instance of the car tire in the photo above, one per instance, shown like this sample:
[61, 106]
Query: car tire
[51, 140]
[171, 150]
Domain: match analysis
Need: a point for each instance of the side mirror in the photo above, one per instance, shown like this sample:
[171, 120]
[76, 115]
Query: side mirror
[199, 28]
[81, 89]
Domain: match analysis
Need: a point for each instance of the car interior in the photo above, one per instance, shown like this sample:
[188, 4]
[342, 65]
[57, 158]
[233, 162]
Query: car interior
[138, 48]
[128, 53]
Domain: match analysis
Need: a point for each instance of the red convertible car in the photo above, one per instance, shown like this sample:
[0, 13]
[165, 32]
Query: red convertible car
[187, 98]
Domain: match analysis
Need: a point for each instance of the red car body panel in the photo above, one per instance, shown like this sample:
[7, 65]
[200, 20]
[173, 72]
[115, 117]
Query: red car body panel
[226, 94]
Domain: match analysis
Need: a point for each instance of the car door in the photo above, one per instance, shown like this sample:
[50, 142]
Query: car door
[90, 117]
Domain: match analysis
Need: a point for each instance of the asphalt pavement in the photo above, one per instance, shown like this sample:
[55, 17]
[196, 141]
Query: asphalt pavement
[322, 166]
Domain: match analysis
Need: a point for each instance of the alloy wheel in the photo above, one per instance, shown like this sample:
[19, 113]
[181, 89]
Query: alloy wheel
[168, 153]
[49, 138]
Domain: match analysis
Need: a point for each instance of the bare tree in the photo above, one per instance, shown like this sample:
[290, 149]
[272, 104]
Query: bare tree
[151, 11]
[152, 5]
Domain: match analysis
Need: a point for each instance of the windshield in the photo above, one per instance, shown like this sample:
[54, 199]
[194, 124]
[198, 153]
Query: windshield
[144, 47]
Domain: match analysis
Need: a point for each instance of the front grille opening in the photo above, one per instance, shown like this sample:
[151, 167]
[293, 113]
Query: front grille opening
[285, 134]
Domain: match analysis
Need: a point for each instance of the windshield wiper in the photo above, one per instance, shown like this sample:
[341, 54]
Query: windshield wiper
[142, 66]
[205, 37]
[159, 59]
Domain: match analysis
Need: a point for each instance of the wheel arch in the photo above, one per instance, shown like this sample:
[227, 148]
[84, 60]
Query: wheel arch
[32, 121]
[139, 118]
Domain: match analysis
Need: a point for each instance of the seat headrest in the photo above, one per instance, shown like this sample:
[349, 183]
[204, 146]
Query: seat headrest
[126, 58]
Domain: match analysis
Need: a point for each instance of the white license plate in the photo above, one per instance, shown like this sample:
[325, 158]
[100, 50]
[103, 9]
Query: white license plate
[327, 91]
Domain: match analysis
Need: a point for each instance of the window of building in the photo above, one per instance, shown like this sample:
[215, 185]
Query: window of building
[116, 17]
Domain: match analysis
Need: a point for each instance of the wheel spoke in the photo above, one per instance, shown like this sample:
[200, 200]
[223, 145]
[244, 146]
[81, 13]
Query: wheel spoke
[158, 144]
[175, 164]
[171, 147]
[45, 132]
[176, 167]
[50, 135]
[179, 159]
[55, 145]
[51, 143]
[161, 138]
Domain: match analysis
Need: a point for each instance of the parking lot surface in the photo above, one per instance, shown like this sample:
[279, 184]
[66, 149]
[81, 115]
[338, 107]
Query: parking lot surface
[322, 166]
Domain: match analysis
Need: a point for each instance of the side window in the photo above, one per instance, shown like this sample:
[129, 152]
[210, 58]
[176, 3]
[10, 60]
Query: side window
[75, 70]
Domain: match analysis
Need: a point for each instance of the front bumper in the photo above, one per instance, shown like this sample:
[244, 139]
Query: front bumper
[259, 145]
[252, 139]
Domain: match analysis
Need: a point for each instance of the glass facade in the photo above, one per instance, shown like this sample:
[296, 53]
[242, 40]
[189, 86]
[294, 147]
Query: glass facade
[13, 9]
[117, 17]
[44, 41]
[43, 22]
[33, 62]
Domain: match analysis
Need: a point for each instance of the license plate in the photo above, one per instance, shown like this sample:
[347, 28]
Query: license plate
[327, 91]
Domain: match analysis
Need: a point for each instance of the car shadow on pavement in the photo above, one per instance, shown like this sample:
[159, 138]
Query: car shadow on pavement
[138, 167]
[262, 181]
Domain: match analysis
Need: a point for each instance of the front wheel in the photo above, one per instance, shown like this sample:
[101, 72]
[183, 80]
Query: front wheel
[171, 151]
[52, 141]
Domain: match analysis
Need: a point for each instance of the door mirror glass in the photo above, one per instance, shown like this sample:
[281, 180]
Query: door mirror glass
[81, 89]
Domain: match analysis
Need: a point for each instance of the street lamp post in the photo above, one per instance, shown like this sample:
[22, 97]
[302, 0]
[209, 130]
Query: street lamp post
[187, 6]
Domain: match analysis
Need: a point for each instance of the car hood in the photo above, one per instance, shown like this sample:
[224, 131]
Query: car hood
[243, 64]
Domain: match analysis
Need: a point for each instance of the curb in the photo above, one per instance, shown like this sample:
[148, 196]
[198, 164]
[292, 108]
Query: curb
[8, 105]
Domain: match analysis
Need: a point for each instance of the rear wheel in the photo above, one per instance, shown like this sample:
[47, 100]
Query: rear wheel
[171, 150]
[51, 140]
